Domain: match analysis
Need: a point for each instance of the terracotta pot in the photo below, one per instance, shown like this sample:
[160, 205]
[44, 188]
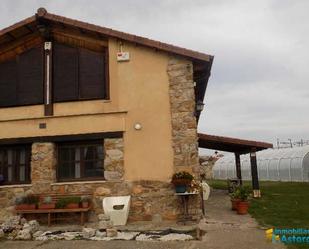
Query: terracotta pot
[85, 204]
[25, 207]
[47, 206]
[242, 207]
[235, 203]
[72, 205]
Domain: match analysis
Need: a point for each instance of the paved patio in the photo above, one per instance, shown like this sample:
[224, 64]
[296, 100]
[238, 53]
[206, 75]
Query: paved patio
[226, 229]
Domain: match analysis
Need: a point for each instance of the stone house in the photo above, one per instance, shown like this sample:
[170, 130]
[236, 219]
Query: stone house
[85, 108]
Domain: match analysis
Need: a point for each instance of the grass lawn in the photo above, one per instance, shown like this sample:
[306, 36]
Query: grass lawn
[283, 204]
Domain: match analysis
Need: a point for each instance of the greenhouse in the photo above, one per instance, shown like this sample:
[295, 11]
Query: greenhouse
[289, 164]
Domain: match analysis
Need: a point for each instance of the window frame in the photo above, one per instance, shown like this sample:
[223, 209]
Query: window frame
[79, 144]
[19, 81]
[104, 50]
[16, 165]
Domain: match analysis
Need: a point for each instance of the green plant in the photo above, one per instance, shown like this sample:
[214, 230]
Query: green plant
[30, 199]
[63, 202]
[19, 200]
[182, 177]
[243, 192]
[235, 194]
[47, 200]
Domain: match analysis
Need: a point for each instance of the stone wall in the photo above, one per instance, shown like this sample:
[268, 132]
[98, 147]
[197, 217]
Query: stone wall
[43, 167]
[113, 161]
[43, 177]
[184, 125]
[149, 199]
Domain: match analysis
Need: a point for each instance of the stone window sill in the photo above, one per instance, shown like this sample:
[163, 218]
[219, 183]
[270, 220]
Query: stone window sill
[83, 182]
[16, 186]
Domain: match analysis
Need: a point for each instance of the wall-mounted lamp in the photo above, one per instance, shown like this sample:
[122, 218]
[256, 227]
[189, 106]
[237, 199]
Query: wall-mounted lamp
[200, 106]
[138, 126]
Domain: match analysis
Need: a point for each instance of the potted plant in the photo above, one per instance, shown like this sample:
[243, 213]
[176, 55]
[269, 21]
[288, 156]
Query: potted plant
[47, 203]
[182, 180]
[70, 202]
[84, 201]
[235, 199]
[243, 204]
[28, 202]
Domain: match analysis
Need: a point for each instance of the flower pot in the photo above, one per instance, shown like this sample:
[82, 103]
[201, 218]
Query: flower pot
[84, 204]
[180, 188]
[25, 207]
[47, 206]
[242, 207]
[72, 205]
[235, 203]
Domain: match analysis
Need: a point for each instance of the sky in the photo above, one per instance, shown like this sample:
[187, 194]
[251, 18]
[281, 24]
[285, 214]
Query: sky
[259, 87]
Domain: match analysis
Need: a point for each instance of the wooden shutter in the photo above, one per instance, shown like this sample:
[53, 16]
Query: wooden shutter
[65, 69]
[30, 77]
[91, 74]
[8, 83]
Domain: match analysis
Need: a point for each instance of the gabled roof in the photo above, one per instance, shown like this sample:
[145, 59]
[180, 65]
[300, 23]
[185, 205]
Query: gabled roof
[43, 14]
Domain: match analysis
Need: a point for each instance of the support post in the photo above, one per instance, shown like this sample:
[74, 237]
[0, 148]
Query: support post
[238, 168]
[254, 174]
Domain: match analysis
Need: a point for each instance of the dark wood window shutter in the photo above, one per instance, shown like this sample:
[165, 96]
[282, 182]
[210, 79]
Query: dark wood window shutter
[8, 83]
[65, 73]
[30, 77]
[91, 74]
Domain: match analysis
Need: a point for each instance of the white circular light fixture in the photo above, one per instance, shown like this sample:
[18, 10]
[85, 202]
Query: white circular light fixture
[137, 126]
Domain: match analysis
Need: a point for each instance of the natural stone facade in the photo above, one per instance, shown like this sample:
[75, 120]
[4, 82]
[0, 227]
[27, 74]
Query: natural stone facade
[113, 161]
[184, 126]
[43, 177]
[149, 199]
[43, 166]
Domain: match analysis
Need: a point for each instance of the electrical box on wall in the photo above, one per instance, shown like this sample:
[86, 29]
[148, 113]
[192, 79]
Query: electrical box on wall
[123, 56]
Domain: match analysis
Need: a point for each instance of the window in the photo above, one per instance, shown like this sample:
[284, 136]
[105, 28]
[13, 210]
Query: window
[78, 74]
[15, 164]
[21, 79]
[80, 160]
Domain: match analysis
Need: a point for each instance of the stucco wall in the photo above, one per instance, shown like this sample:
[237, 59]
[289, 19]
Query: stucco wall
[138, 94]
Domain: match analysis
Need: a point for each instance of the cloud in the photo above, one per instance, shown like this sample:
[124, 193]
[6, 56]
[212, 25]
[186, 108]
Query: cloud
[260, 77]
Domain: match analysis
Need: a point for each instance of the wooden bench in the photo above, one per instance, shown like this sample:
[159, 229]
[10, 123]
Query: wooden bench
[55, 198]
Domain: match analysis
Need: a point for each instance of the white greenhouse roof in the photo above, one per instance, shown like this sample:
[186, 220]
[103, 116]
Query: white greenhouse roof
[289, 164]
